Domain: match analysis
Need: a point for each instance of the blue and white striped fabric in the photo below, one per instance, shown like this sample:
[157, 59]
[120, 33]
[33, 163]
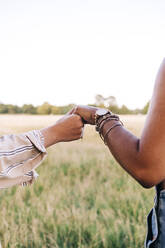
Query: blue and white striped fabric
[20, 154]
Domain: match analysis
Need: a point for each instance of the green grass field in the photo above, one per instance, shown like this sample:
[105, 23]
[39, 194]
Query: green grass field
[82, 197]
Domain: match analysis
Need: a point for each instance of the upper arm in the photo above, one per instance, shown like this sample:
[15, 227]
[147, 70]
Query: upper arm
[152, 142]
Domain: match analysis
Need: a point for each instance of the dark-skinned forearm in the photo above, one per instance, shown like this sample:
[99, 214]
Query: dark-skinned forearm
[125, 147]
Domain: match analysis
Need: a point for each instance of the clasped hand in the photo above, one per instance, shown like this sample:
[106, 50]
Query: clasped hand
[70, 127]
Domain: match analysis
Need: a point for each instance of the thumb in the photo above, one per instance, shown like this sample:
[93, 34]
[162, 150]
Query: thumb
[71, 112]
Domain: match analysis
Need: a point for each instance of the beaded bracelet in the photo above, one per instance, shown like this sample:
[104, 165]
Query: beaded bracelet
[103, 120]
[109, 130]
[103, 123]
[100, 120]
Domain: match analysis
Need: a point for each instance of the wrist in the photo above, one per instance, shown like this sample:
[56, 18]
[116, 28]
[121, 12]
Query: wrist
[55, 132]
[108, 125]
[51, 135]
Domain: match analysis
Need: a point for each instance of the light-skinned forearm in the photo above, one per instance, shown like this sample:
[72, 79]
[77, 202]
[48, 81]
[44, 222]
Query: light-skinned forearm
[50, 136]
[68, 128]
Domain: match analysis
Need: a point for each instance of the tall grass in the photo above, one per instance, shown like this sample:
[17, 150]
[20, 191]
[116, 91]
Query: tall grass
[81, 199]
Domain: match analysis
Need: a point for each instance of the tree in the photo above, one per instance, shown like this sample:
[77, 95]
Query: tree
[13, 109]
[111, 101]
[55, 110]
[29, 109]
[3, 109]
[44, 109]
[125, 111]
[146, 107]
[99, 100]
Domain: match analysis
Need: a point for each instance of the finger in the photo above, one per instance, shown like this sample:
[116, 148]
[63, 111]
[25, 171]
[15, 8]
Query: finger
[80, 120]
[80, 110]
[71, 111]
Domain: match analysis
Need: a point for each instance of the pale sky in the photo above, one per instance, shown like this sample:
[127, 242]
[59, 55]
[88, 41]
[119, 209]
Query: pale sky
[67, 51]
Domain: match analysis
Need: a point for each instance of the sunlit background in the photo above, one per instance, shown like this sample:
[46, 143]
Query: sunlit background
[67, 51]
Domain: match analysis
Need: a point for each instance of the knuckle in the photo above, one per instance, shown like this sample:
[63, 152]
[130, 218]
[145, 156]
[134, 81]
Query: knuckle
[78, 118]
[74, 116]
[80, 132]
[76, 108]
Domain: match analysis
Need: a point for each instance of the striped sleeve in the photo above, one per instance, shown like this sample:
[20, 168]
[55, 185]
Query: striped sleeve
[20, 155]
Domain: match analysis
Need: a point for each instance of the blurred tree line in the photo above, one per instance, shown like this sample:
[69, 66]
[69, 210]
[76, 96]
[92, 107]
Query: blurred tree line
[111, 104]
[44, 109]
[47, 109]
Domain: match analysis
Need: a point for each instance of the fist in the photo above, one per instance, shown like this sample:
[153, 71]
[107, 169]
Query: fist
[87, 113]
[68, 128]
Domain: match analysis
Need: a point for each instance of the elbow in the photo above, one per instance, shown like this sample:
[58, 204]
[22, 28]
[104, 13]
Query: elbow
[145, 184]
[147, 178]
[149, 171]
